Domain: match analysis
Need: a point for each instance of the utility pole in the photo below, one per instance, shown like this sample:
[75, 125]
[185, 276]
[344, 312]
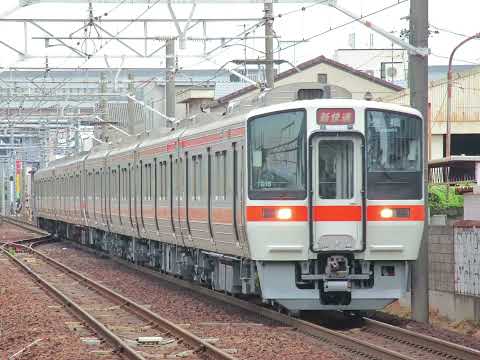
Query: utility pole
[448, 141]
[103, 104]
[130, 105]
[418, 79]
[170, 92]
[269, 73]
[77, 136]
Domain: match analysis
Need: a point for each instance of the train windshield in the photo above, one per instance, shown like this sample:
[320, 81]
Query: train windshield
[276, 155]
[394, 155]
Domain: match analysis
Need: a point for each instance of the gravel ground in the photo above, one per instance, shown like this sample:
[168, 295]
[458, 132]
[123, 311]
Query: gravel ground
[28, 314]
[427, 329]
[10, 233]
[244, 335]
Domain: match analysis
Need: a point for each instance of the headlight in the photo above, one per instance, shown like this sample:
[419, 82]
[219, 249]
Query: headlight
[284, 214]
[386, 213]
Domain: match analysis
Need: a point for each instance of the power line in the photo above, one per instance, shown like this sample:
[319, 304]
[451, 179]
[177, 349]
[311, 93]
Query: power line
[303, 9]
[449, 31]
[462, 60]
[344, 24]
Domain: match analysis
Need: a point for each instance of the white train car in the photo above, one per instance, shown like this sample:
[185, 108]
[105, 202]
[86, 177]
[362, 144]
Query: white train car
[306, 199]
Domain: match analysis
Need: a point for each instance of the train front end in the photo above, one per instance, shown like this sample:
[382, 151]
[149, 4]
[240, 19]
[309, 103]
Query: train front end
[335, 203]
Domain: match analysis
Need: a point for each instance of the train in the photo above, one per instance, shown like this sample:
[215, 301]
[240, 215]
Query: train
[300, 196]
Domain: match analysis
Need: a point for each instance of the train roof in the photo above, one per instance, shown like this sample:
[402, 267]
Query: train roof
[348, 103]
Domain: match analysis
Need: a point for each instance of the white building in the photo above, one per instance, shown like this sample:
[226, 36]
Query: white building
[387, 64]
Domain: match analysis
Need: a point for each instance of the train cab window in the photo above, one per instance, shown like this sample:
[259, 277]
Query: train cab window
[277, 155]
[335, 169]
[394, 155]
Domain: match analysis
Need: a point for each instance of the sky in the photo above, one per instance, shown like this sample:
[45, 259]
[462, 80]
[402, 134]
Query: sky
[450, 19]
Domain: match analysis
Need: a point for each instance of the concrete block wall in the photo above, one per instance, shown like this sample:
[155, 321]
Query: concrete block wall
[441, 259]
[442, 278]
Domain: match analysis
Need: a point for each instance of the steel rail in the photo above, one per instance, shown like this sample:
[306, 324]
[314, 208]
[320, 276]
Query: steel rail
[196, 343]
[340, 340]
[440, 346]
[25, 225]
[114, 340]
[43, 236]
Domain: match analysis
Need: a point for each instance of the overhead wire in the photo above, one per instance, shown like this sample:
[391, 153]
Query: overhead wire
[449, 31]
[344, 24]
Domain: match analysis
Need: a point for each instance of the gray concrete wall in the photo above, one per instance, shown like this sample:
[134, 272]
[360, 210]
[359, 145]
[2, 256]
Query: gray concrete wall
[441, 259]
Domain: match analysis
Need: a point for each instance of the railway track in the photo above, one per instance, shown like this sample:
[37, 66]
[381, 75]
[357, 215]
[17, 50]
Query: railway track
[422, 344]
[31, 234]
[425, 345]
[135, 331]
[362, 344]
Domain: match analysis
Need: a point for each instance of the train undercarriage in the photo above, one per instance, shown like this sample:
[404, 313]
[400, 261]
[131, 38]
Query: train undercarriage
[331, 282]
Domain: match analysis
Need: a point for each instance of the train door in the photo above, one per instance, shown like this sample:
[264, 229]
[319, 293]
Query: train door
[337, 198]
[184, 201]
[140, 193]
[198, 218]
[239, 193]
[224, 225]
[177, 197]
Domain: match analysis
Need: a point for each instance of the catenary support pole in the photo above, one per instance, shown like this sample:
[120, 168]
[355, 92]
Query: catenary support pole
[103, 105]
[130, 105]
[170, 92]
[269, 71]
[418, 79]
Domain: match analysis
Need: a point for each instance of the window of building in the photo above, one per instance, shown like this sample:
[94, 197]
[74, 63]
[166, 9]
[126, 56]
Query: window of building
[322, 78]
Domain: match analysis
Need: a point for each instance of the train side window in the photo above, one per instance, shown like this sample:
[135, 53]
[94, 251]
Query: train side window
[165, 180]
[139, 183]
[181, 179]
[184, 171]
[102, 191]
[220, 175]
[124, 183]
[130, 192]
[118, 192]
[120, 184]
[159, 180]
[149, 181]
[112, 184]
[145, 182]
[197, 177]
[155, 169]
[194, 177]
[162, 180]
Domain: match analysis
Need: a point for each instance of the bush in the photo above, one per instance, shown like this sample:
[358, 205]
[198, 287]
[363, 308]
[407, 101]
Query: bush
[438, 203]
